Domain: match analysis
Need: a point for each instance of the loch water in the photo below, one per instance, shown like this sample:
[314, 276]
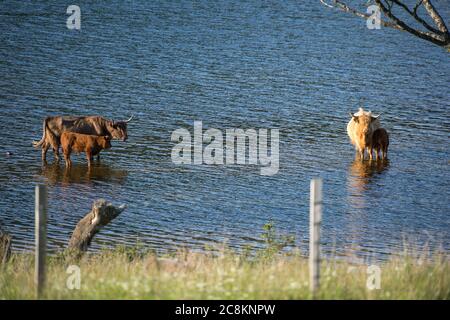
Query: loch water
[296, 66]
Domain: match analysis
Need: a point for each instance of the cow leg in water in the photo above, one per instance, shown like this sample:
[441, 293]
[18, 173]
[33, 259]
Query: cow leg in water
[370, 150]
[357, 154]
[56, 152]
[45, 148]
[89, 158]
[98, 157]
[361, 154]
[67, 159]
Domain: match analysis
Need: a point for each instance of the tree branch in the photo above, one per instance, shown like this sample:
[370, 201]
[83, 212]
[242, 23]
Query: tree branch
[414, 14]
[439, 36]
[436, 17]
[338, 4]
[432, 37]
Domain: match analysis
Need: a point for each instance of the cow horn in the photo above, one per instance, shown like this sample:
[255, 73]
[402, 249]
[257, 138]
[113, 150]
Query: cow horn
[376, 117]
[129, 119]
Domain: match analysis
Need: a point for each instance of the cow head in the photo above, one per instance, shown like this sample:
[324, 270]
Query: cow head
[105, 142]
[118, 129]
[364, 128]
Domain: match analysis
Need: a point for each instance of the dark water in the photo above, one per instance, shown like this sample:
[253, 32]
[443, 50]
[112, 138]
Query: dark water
[291, 65]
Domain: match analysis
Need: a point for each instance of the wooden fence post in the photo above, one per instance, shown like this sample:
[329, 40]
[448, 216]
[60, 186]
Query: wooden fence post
[40, 211]
[5, 248]
[315, 218]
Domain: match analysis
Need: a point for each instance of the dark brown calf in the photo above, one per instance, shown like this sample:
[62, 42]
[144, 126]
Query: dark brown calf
[380, 142]
[90, 144]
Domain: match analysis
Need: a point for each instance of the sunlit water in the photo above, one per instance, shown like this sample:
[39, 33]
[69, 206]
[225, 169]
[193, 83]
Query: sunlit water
[289, 65]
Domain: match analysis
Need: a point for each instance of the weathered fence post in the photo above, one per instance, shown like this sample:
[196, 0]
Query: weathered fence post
[40, 211]
[315, 218]
[5, 248]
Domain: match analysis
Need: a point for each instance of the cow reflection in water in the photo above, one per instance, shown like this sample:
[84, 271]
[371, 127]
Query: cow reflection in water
[79, 173]
[360, 175]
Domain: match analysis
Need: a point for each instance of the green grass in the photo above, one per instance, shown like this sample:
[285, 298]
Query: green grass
[133, 274]
[277, 271]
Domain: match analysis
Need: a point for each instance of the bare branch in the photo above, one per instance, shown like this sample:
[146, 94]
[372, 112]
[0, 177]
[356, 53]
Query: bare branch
[338, 4]
[414, 14]
[418, 4]
[326, 4]
[439, 36]
[436, 17]
[432, 37]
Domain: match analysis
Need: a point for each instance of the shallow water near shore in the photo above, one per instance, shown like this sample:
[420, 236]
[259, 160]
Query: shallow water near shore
[295, 67]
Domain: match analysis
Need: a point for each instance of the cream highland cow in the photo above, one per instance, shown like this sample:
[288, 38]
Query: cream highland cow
[360, 129]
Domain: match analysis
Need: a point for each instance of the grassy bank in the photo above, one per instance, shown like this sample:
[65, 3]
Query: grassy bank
[130, 274]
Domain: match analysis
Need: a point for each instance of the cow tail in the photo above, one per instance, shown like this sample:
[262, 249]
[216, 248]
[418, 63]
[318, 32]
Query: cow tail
[47, 137]
[37, 144]
[52, 139]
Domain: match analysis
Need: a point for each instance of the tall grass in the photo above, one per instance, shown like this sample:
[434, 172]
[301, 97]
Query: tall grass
[270, 273]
